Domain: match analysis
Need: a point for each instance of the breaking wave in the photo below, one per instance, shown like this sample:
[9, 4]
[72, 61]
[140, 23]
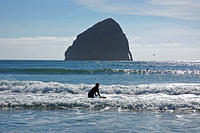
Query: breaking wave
[93, 71]
[54, 95]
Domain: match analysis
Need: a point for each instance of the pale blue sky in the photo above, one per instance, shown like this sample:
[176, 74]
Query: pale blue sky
[43, 29]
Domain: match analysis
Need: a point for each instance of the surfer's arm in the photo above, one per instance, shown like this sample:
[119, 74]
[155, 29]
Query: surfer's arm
[98, 93]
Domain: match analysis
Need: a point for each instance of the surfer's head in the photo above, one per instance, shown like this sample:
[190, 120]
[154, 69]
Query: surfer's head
[97, 84]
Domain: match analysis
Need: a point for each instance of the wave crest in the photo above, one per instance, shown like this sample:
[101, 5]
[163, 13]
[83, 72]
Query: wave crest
[94, 71]
[54, 95]
[55, 87]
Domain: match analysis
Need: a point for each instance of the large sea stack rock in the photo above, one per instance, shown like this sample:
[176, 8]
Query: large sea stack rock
[103, 41]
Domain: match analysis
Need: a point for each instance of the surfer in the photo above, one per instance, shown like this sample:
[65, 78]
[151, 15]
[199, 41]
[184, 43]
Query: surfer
[93, 91]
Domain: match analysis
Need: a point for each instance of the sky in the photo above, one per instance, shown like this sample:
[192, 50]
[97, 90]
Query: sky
[157, 30]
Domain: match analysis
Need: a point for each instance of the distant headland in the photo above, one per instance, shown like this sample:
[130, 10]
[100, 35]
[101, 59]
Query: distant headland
[103, 41]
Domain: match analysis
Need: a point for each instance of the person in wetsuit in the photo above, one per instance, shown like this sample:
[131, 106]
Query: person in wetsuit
[93, 91]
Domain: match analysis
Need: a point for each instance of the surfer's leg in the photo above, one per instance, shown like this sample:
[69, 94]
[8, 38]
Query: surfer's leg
[90, 95]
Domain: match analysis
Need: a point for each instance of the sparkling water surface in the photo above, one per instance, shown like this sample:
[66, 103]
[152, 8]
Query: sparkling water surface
[51, 96]
[99, 121]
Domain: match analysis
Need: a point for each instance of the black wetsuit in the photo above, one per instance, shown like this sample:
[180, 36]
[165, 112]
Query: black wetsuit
[93, 91]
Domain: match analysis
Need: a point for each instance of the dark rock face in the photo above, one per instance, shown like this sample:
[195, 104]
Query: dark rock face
[103, 41]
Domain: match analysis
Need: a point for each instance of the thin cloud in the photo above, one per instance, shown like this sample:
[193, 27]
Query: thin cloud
[34, 47]
[32, 41]
[164, 36]
[36, 39]
[181, 9]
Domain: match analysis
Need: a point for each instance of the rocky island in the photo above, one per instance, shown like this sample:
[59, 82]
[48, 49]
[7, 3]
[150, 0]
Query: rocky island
[103, 41]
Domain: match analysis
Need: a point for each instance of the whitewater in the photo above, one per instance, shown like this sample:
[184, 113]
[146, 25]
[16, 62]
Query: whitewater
[53, 95]
[45, 93]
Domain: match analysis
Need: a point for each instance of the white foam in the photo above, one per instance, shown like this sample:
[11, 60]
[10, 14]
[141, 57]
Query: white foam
[161, 97]
[55, 87]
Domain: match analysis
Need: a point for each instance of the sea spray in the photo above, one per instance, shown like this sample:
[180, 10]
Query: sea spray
[54, 95]
[95, 71]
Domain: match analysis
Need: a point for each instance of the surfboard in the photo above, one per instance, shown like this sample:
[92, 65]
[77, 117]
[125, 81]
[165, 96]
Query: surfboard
[102, 97]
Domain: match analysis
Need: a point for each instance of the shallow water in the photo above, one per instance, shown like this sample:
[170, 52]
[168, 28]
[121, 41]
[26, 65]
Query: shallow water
[51, 96]
[96, 121]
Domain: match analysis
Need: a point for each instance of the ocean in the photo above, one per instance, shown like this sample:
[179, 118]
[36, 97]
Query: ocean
[51, 96]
